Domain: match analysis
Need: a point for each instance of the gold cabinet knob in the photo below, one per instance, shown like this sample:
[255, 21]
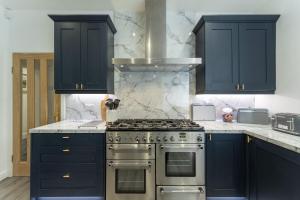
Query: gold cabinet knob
[66, 150]
[66, 176]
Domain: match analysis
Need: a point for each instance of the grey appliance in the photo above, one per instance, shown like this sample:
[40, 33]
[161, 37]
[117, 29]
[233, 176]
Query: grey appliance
[203, 112]
[286, 122]
[136, 171]
[253, 116]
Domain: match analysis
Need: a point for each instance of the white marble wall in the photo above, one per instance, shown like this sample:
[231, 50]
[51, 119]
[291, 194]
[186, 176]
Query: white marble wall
[149, 94]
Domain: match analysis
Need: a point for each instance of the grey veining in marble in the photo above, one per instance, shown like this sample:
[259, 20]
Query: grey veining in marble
[153, 95]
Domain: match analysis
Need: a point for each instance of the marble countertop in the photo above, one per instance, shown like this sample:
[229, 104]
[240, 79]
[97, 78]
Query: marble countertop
[69, 126]
[263, 132]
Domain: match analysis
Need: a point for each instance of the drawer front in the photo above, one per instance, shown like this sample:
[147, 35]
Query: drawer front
[62, 154]
[60, 139]
[68, 176]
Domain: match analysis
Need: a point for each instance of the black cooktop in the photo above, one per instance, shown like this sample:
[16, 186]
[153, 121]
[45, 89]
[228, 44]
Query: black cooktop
[153, 125]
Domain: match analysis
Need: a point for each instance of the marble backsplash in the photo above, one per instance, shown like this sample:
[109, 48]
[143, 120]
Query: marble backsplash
[153, 94]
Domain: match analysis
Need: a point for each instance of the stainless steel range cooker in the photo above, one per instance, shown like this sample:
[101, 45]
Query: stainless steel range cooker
[155, 159]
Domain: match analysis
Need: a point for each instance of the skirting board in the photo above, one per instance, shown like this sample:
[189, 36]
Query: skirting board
[3, 175]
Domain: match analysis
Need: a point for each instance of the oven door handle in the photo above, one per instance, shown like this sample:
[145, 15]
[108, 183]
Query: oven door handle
[162, 191]
[131, 148]
[162, 147]
[130, 165]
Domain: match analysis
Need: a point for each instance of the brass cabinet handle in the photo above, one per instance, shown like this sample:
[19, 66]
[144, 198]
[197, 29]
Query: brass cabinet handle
[209, 137]
[81, 86]
[66, 176]
[77, 86]
[249, 139]
[243, 86]
[66, 150]
[238, 87]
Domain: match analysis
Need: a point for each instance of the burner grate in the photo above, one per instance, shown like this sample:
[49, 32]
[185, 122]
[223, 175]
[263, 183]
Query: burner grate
[153, 124]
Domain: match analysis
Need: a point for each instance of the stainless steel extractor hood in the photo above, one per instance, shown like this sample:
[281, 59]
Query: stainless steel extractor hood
[156, 45]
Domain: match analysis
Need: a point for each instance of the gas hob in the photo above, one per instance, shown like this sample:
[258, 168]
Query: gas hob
[153, 125]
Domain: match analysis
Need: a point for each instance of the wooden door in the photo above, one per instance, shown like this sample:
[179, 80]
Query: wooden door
[221, 57]
[93, 56]
[34, 103]
[257, 56]
[225, 165]
[67, 56]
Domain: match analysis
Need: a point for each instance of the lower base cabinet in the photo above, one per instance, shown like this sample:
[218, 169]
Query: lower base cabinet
[226, 166]
[67, 165]
[274, 172]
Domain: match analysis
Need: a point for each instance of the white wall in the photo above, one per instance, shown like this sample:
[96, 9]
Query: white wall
[5, 97]
[287, 98]
[33, 30]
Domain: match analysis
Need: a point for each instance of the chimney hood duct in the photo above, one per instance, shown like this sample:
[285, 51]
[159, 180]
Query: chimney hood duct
[156, 45]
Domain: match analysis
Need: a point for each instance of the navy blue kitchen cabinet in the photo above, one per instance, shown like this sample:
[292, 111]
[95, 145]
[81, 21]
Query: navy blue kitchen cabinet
[67, 165]
[238, 53]
[226, 166]
[274, 172]
[83, 52]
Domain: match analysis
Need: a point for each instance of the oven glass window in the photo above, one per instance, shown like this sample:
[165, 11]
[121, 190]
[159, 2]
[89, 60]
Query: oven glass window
[180, 164]
[131, 181]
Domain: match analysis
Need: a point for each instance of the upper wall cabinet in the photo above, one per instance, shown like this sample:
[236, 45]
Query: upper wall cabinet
[83, 52]
[238, 54]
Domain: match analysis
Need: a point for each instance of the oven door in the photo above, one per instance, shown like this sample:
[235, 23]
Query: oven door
[130, 180]
[180, 192]
[130, 151]
[180, 164]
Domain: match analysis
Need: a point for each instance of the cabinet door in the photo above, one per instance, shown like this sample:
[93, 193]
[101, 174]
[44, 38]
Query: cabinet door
[257, 56]
[225, 165]
[94, 59]
[67, 55]
[276, 172]
[221, 57]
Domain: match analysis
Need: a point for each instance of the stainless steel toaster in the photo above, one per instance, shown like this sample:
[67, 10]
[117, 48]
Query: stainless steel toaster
[286, 122]
[253, 116]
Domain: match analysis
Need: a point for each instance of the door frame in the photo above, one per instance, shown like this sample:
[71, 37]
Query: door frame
[22, 168]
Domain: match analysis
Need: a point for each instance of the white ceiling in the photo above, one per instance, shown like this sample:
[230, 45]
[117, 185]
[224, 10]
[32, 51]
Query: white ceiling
[137, 5]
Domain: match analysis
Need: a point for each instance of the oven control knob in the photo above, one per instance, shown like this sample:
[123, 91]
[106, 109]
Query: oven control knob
[151, 139]
[199, 139]
[118, 139]
[110, 139]
[158, 139]
[137, 139]
[144, 139]
[172, 139]
[165, 139]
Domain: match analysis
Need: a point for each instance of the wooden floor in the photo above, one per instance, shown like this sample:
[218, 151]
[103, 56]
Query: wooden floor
[15, 188]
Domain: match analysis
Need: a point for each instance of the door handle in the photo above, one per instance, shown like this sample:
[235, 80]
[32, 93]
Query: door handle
[200, 190]
[130, 165]
[130, 148]
[66, 176]
[182, 147]
[66, 150]
[243, 86]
